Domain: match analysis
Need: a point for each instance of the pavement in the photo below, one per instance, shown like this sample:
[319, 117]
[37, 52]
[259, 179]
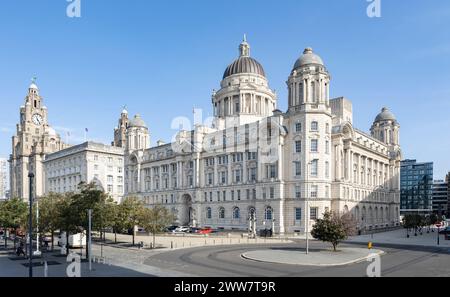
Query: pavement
[316, 257]
[399, 237]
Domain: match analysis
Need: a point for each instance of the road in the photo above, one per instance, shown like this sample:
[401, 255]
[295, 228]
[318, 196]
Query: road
[226, 261]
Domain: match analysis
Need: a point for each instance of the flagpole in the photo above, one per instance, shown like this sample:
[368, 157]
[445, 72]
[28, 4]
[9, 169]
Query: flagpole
[85, 134]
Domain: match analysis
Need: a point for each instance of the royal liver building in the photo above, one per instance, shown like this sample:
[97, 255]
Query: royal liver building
[255, 162]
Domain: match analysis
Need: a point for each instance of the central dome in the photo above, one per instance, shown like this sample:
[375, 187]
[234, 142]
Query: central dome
[308, 58]
[245, 63]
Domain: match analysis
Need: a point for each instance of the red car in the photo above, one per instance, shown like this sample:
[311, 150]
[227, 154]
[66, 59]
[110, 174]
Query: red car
[206, 230]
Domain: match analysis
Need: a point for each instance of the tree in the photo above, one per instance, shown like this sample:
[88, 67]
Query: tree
[13, 214]
[90, 197]
[49, 214]
[333, 228]
[121, 218]
[155, 219]
[67, 217]
[132, 209]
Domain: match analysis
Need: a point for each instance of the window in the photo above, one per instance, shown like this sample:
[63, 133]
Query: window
[327, 147]
[264, 195]
[221, 213]
[314, 167]
[208, 213]
[297, 168]
[95, 167]
[298, 214]
[327, 128]
[110, 178]
[314, 190]
[238, 194]
[327, 169]
[119, 169]
[254, 193]
[110, 188]
[95, 157]
[210, 196]
[272, 171]
[314, 126]
[110, 159]
[223, 177]
[314, 145]
[298, 193]
[236, 213]
[298, 146]
[206, 196]
[232, 194]
[327, 192]
[120, 189]
[248, 194]
[298, 127]
[313, 213]
[237, 175]
[271, 192]
[210, 178]
[224, 195]
[252, 174]
[268, 214]
[218, 195]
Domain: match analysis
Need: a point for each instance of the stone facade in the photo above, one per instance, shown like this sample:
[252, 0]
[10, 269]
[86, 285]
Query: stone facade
[33, 140]
[284, 169]
[4, 176]
[87, 162]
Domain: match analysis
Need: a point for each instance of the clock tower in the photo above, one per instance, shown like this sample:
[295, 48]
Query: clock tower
[34, 138]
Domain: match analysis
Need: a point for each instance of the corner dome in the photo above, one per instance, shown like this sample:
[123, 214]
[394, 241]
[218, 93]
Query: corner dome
[245, 63]
[137, 122]
[385, 115]
[308, 58]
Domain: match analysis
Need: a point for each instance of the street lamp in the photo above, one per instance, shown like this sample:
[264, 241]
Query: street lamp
[30, 226]
[307, 207]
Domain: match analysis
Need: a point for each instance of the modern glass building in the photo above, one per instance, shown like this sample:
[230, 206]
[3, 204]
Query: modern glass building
[440, 197]
[416, 187]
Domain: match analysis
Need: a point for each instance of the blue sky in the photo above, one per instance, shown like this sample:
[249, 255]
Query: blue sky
[161, 58]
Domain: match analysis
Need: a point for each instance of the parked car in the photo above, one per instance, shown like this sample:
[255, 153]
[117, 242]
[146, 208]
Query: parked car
[445, 231]
[181, 229]
[206, 230]
[194, 230]
[171, 228]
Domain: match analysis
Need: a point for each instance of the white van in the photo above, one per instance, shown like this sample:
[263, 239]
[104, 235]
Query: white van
[75, 240]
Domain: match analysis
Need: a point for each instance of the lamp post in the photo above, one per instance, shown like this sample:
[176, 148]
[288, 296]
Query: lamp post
[30, 226]
[307, 207]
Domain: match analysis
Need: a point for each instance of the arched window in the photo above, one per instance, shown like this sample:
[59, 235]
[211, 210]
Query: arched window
[268, 213]
[221, 213]
[236, 213]
[208, 213]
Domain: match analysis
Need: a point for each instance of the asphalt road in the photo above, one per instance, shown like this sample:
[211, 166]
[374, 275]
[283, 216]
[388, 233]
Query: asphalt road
[226, 261]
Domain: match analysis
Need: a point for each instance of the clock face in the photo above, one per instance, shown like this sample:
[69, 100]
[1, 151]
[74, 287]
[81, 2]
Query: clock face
[37, 119]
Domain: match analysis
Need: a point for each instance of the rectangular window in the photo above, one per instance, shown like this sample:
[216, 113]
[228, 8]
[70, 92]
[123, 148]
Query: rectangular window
[327, 147]
[110, 188]
[298, 168]
[314, 167]
[248, 194]
[272, 192]
[298, 146]
[238, 194]
[224, 195]
[252, 174]
[298, 193]
[298, 127]
[210, 196]
[110, 178]
[232, 195]
[264, 195]
[313, 213]
[314, 145]
[218, 195]
[327, 169]
[298, 214]
[314, 126]
[314, 191]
